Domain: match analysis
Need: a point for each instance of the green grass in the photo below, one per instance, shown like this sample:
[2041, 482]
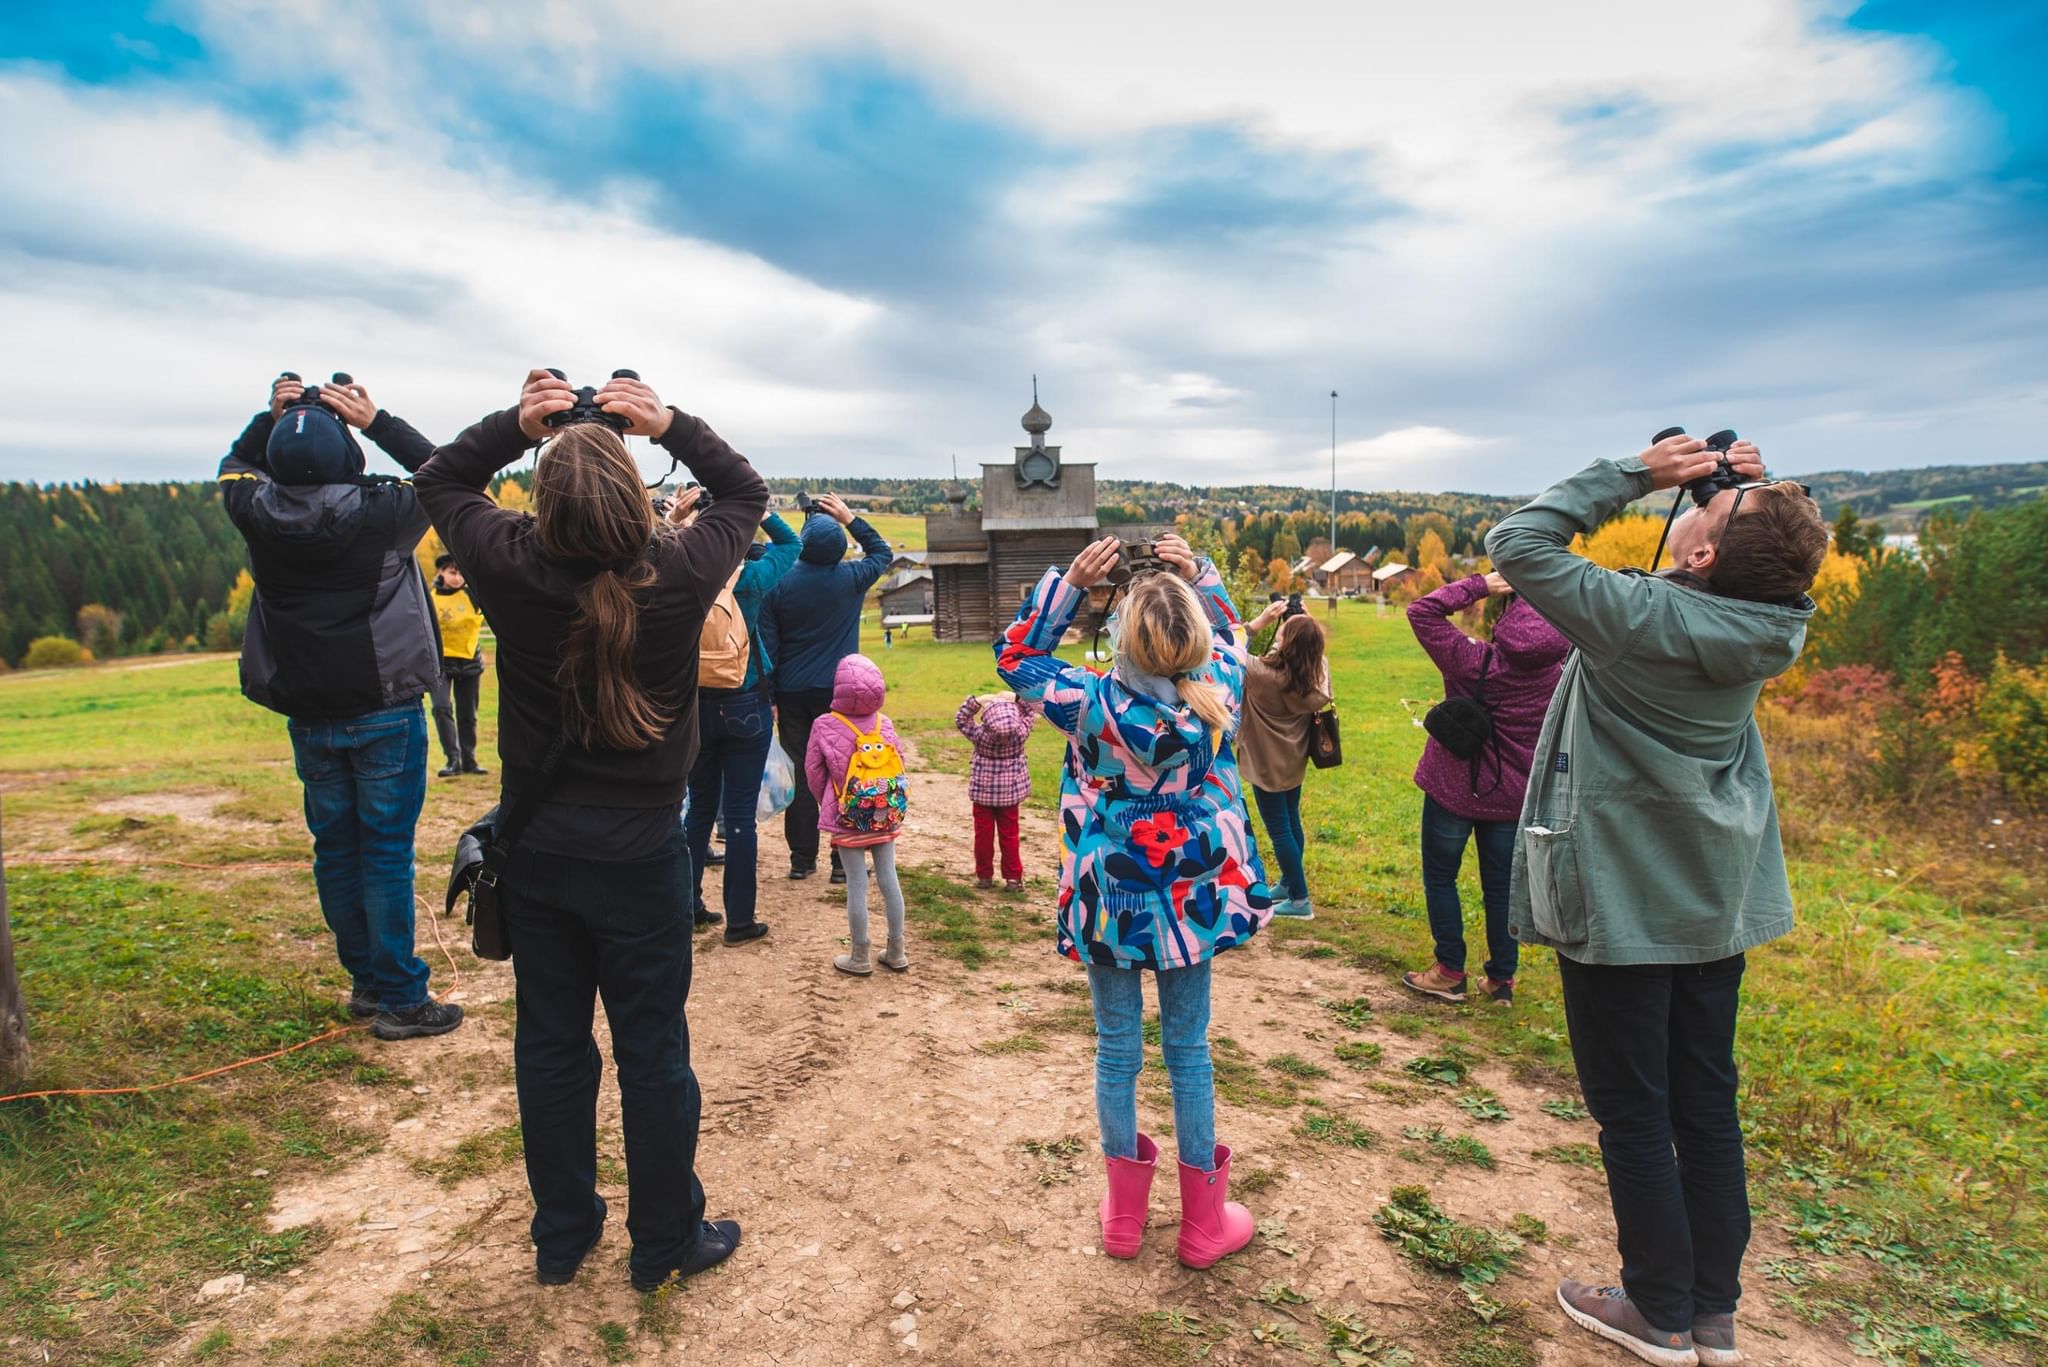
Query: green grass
[1422, 1232]
[1894, 1048]
[1327, 1127]
[1452, 1148]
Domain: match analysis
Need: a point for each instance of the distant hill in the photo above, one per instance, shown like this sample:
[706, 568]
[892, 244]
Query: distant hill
[1900, 498]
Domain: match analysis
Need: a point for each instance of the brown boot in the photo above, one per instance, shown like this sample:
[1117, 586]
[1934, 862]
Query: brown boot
[1608, 1312]
[1436, 981]
[1499, 991]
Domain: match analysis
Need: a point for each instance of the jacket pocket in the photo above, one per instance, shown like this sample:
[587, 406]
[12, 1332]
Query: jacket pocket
[1557, 898]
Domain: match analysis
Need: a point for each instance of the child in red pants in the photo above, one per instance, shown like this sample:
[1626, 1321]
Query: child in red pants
[1000, 780]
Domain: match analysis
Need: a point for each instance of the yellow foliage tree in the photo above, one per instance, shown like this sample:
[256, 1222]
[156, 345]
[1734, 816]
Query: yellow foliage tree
[1622, 542]
[1431, 554]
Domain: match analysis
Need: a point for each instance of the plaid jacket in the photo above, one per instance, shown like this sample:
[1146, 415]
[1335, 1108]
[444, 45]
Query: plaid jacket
[1000, 776]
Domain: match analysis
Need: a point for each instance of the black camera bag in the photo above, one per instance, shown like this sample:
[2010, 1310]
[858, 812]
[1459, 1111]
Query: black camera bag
[480, 859]
[1464, 727]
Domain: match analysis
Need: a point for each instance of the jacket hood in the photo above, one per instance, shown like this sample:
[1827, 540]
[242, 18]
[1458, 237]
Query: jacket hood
[1162, 735]
[857, 687]
[1005, 718]
[1736, 641]
[824, 541]
[1526, 640]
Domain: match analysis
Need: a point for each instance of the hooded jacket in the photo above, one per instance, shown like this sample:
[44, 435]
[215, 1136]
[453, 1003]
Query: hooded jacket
[765, 566]
[1001, 773]
[1157, 868]
[1527, 655]
[857, 694]
[1650, 830]
[340, 625]
[812, 620]
[1272, 749]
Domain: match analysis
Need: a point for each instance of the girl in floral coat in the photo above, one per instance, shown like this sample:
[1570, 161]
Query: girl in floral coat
[1157, 870]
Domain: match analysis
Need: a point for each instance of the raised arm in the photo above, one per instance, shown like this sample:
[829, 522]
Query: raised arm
[716, 543]
[967, 721]
[1024, 652]
[1456, 655]
[452, 482]
[783, 547]
[394, 435]
[876, 557]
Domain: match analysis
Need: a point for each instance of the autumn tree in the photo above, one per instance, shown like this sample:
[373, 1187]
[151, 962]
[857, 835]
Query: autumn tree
[99, 630]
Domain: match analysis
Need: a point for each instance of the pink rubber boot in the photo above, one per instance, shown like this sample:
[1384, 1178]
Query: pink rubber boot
[1212, 1226]
[1123, 1206]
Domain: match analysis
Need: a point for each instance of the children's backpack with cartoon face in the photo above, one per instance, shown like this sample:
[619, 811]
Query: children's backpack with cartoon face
[873, 796]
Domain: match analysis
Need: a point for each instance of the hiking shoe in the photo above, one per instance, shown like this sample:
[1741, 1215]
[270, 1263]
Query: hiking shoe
[746, 934]
[838, 874]
[470, 766]
[428, 1018]
[1436, 981]
[984, 883]
[715, 1242]
[362, 1004]
[1013, 886]
[1608, 1312]
[1713, 1338]
[562, 1274]
[1501, 991]
[1295, 909]
[799, 872]
[451, 769]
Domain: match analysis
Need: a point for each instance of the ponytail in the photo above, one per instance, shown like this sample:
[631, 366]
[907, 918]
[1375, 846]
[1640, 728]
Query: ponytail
[1166, 633]
[589, 506]
[1204, 697]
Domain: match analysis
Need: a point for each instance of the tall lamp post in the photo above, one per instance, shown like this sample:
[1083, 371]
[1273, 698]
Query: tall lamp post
[1333, 472]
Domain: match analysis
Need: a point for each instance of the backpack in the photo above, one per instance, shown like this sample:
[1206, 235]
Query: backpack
[873, 796]
[725, 645]
[1464, 726]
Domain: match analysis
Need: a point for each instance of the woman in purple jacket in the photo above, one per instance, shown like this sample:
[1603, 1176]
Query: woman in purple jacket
[1514, 676]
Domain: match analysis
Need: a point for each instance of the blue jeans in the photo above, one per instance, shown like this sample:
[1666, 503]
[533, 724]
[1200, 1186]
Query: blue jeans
[582, 928]
[1120, 1052]
[366, 779]
[1282, 814]
[734, 731]
[1443, 852]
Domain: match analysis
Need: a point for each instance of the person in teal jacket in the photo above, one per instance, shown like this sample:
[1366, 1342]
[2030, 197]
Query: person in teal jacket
[735, 727]
[1648, 857]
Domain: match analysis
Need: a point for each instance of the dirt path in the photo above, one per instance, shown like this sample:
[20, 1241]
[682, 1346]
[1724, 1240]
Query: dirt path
[871, 1137]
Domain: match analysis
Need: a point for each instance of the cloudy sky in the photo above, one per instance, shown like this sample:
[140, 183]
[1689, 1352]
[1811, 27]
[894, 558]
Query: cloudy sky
[1512, 236]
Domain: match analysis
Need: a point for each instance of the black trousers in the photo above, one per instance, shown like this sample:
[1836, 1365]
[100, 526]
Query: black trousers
[581, 929]
[795, 714]
[455, 715]
[1655, 1049]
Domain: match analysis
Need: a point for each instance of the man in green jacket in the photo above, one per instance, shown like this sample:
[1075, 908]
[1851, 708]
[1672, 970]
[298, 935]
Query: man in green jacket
[1649, 857]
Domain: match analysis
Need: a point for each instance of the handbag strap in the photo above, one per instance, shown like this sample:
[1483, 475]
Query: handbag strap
[527, 803]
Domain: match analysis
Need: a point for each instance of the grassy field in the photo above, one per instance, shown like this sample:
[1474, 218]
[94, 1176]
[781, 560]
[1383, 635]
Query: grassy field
[1894, 1049]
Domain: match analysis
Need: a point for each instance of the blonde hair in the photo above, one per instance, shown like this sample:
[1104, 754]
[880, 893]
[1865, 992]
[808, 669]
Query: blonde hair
[589, 506]
[1165, 632]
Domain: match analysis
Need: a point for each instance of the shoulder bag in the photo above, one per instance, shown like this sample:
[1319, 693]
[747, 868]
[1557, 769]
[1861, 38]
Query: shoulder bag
[480, 859]
[1325, 739]
[1464, 727]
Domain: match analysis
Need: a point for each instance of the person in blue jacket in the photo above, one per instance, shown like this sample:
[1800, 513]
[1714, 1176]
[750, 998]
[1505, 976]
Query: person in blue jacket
[810, 623]
[734, 726]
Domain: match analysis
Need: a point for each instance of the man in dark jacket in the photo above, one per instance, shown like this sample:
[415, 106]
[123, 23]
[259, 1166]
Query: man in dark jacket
[810, 623]
[341, 640]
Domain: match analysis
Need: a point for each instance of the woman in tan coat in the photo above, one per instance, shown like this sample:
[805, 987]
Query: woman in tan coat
[1283, 688]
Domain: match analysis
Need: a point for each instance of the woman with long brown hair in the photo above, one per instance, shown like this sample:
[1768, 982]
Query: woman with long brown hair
[598, 606]
[1283, 689]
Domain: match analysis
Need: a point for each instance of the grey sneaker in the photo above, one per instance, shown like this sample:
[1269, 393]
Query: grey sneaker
[1608, 1312]
[428, 1018]
[1713, 1338]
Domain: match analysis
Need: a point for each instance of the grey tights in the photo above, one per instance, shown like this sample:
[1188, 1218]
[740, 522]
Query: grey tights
[856, 865]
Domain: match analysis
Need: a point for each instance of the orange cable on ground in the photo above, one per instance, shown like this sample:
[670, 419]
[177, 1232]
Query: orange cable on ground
[420, 904]
[181, 1081]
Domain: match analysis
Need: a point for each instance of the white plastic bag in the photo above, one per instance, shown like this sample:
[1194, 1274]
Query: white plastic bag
[778, 784]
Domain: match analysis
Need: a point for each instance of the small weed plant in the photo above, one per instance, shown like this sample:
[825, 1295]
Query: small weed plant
[1414, 1224]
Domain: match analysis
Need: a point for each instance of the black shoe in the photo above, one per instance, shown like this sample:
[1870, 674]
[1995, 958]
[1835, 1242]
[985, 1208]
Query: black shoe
[470, 766]
[715, 1243]
[715, 859]
[451, 769]
[428, 1018]
[739, 935]
[838, 873]
[362, 1005]
[707, 918]
[563, 1275]
[799, 872]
